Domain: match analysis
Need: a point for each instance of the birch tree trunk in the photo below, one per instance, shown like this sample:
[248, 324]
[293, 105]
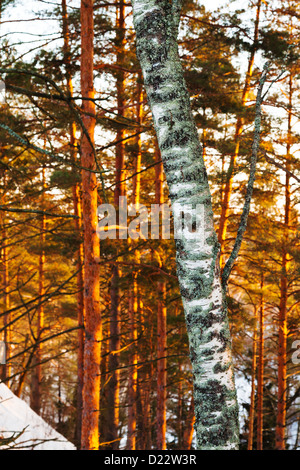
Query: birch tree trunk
[156, 24]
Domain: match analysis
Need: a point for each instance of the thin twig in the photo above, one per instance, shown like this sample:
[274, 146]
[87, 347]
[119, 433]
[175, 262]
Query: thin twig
[246, 209]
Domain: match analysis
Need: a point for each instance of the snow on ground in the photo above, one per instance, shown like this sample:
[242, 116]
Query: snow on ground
[16, 416]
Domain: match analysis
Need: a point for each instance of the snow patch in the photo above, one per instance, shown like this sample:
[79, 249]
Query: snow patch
[16, 416]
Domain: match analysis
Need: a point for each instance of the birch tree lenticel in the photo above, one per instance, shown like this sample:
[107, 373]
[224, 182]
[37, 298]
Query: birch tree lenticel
[156, 23]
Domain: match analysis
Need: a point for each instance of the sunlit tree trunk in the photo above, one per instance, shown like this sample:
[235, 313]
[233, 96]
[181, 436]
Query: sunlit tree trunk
[132, 373]
[145, 379]
[113, 398]
[238, 131]
[6, 368]
[156, 24]
[36, 380]
[282, 321]
[7, 317]
[161, 424]
[146, 423]
[120, 55]
[189, 427]
[138, 155]
[179, 413]
[104, 369]
[76, 189]
[260, 373]
[253, 380]
[93, 325]
[133, 292]
[115, 310]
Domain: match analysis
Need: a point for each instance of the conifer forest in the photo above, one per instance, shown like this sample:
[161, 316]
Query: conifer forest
[149, 221]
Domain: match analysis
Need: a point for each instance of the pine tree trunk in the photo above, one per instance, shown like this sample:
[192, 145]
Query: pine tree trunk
[138, 155]
[282, 323]
[36, 380]
[161, 423]
[132, 379]
[282, 359]
[133, 293]
[216, 410]
[189, 427]
[145, 376]
[6, 368]
[180, 413]
[253, 377]
[260, 374]
[146, 426]
[115, 313]
[80, 310]
[78, 228]
[104, 370]
[93, 324]
[120, 45]
[113, 399]
[238, 131]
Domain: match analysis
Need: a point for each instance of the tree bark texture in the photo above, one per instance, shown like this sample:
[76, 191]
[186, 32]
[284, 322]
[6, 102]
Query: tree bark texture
[76, 189]
[113, 398]
[133, 292]
[283, 320]
[6, 368]
[156, 24]
[161, 417]
[260, 373]
[253, 377]
[120, 188]
[36, 379]
[93, 325]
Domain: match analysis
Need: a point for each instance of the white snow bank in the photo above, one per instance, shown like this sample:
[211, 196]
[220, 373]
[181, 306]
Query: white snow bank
[16, 415]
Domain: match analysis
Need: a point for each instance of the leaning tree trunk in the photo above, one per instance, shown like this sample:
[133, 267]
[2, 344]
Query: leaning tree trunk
[156, 23]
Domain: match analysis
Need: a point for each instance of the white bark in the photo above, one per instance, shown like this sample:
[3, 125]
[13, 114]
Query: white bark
[156, 23]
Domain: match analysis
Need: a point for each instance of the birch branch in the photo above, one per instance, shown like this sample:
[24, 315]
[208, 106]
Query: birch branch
[255, 147]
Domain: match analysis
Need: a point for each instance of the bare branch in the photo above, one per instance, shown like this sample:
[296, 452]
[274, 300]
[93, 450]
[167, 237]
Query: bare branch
[255, 147]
